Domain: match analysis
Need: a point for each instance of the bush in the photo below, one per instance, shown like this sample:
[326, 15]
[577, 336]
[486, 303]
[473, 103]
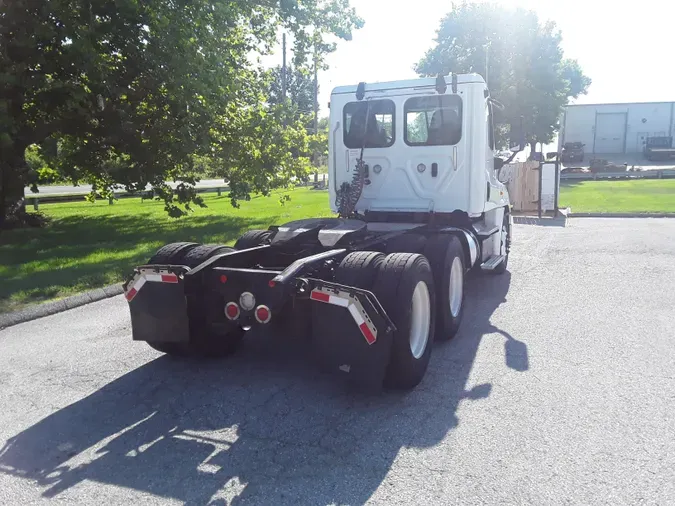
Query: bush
[44, 174]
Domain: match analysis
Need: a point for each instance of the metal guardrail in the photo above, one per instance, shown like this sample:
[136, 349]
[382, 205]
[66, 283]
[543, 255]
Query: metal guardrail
[36, 198]
[624, 174]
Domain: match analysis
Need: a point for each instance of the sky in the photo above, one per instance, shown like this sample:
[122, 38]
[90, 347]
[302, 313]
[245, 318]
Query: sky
[624, 48]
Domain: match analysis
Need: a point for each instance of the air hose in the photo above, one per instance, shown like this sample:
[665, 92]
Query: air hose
[348, 195]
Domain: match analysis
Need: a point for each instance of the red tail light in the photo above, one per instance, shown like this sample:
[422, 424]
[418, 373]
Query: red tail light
[263, 314]
[232, 310]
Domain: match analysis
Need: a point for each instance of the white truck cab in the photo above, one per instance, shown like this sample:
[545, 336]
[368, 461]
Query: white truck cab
[428, 149]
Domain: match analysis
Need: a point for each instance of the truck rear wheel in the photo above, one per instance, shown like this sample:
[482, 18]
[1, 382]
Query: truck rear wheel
[203, 341]
[252, 239]
[172, 349]
[405, 288]
[201, 254]
[446, 257]
[203, 345]
[172, 253]
[505, 233]
[359, 269]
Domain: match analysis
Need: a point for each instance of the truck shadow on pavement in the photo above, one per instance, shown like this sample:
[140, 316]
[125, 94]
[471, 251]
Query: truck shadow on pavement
[264, 427]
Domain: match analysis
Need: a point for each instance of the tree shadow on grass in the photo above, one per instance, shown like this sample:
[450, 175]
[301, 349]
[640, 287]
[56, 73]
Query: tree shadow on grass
[81, 252]
[264, 427]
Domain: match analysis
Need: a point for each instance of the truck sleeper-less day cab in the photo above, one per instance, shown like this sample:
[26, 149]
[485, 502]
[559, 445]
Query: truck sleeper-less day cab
[413, 181]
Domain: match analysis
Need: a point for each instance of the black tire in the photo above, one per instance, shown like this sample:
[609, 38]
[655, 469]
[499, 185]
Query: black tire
[501, 268]
[406, 243]
[397, 278]
[442, 250]
[207, 344]
[359, 269]
[171, 349]
[200, 254]
[172, 253]
[203, 341]
[253, 238]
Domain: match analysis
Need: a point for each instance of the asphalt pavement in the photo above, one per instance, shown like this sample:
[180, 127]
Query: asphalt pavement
[559, 389]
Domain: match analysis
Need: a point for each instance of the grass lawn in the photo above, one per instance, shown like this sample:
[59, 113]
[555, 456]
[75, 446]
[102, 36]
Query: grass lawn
[92, 245]
[625, 196]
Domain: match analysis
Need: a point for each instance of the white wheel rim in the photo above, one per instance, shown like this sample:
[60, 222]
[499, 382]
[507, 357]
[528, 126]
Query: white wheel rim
[420, 319]
[456, 287]
[505, 234]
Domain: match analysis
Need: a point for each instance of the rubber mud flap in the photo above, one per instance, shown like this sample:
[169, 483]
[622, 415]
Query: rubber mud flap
[342, 349]
[159, 313]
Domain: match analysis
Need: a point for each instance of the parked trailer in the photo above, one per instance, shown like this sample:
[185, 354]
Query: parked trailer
[659, 148]
[413, 181]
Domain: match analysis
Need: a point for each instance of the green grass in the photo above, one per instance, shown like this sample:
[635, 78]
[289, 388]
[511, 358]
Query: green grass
[92, 245]
[625, 196]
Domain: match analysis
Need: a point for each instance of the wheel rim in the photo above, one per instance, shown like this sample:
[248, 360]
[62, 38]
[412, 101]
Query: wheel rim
[456, 287]
[505, 239]
[420, 321]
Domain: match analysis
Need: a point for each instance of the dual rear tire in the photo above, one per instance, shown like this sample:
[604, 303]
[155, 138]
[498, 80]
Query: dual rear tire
[423, 296]
[203, 341]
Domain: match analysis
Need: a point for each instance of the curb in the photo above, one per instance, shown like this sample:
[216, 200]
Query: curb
[621, 215]
[546, 221]
[58, 306]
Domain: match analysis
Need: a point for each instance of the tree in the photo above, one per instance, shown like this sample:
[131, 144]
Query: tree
[299, 88]
[526, 68]
[128, 92]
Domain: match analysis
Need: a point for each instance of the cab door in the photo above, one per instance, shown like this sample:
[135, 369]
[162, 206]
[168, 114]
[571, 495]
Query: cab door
[425, 161]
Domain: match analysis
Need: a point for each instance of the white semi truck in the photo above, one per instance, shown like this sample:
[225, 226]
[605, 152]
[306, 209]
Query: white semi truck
[413, 181]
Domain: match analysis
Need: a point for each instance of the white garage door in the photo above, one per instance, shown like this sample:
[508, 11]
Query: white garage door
[610, 132]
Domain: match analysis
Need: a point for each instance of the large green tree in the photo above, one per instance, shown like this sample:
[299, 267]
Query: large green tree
[526, 69]
[299, 88]
[130, 92]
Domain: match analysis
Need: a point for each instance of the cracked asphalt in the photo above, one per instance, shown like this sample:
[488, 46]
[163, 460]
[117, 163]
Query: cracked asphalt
[559, 389]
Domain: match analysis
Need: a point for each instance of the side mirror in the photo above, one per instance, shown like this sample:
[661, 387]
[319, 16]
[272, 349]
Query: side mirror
[499, 163]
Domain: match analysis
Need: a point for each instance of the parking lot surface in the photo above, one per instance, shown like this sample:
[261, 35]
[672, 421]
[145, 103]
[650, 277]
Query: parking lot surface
[559, 389]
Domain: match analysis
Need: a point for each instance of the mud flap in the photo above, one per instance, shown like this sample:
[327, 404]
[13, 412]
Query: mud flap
[352, 335]
[158, 305]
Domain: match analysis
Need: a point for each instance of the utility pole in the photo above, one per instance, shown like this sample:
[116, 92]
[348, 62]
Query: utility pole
[316, 109]
[316, 91]
[283, 68]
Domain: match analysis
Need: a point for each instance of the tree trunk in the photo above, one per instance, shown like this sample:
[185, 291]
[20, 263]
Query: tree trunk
[14, 175]
[533, 149]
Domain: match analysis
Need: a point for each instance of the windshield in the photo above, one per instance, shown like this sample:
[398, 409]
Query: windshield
[379, 131]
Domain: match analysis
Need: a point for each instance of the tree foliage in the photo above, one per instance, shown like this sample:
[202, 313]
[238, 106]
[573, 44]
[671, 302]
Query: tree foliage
[131, 92]
[299, 88]
[527, 71]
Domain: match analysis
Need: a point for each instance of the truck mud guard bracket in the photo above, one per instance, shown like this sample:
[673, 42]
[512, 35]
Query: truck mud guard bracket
[157, 303]
[352, 332]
